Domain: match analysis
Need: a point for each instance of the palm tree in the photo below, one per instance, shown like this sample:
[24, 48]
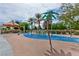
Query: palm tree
[48, 16]
[31, 20]
[38, 16]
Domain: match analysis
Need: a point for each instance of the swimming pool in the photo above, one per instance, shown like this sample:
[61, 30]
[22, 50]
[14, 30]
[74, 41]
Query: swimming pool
[53, 37]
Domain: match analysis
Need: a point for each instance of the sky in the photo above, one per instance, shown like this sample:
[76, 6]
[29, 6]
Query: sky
[23, 11]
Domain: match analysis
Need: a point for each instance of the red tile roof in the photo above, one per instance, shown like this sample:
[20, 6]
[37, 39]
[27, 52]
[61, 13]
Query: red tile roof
[10, 24]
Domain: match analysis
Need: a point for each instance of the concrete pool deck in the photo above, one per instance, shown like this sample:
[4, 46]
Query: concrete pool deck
[5, 48]
[22, 46]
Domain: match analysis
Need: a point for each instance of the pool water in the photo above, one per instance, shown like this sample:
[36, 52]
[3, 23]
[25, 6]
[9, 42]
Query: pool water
[53, 37]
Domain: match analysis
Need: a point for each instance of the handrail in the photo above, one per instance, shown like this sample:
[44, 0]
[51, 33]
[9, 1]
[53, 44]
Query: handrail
[54, 30]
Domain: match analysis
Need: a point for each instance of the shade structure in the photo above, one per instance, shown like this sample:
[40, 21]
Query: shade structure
[11, 25]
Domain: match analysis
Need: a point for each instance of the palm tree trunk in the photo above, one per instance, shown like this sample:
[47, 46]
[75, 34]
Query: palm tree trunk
[39, 27]
[31, 28]
[50, 42]
[51, 27]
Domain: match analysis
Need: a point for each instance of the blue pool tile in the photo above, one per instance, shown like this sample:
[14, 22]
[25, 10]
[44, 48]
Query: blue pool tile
[53, 37]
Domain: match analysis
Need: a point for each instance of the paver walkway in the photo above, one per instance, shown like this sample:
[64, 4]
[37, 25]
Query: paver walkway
[23, 46]
[5, 48]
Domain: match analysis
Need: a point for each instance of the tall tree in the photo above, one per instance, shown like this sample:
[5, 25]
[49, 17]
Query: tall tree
[67, 15]
[48, 17]
[31, 20]
[24, 26]
[38, 19]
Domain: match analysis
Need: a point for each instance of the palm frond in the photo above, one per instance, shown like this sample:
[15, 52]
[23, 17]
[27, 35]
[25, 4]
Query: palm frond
[54, 16]
[44, 16]
[55, 13]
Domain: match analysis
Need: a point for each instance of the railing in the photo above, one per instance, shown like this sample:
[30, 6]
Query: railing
[55, 31]
[76, 32]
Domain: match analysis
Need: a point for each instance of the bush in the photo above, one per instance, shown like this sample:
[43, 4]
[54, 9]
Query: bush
[59, 26]
[76, 33]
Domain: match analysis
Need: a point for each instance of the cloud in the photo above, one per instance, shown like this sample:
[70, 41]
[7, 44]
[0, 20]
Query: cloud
[9, 11]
